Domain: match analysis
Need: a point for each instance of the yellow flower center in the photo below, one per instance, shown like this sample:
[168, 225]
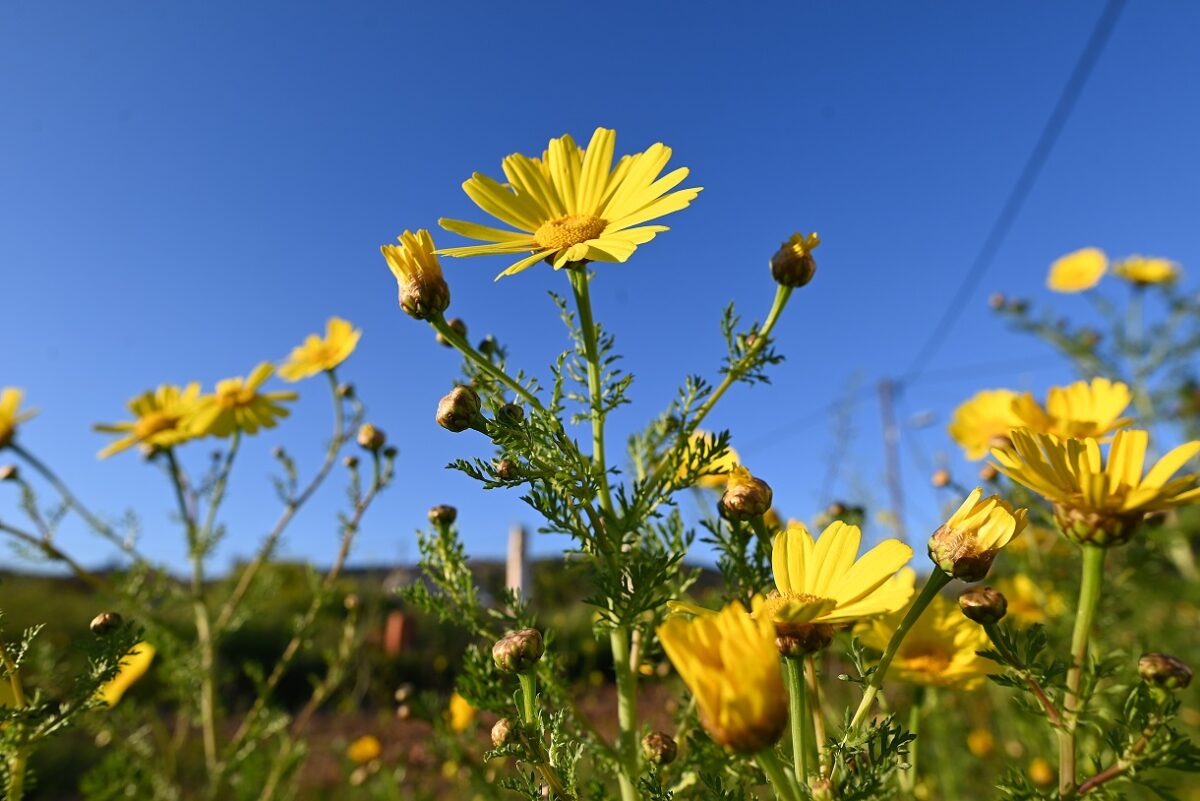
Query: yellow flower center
[232, 397]
[932, 662]
[570, 230]
[153, 423]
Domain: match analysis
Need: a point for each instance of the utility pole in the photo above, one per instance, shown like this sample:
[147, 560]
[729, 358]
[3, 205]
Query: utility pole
[891, 450]
[517, 567]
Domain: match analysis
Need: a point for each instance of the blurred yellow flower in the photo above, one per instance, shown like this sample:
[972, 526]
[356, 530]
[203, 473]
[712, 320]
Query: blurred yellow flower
[317, 355]
[364, 749]
[572, 205]
[984, 421]
[1145, 270]
[939, 650]
[133, 666]
[980, 742]
[459, 713]
[966, 544]
[1095, 502]
[1041, 772]
[721, 467]
[1029, 603]
[825, 581]
[729, 662]
[1077, 271]
[10, 414]
[237, 405]
[423, 290]
[1082, 409]
[163, 418]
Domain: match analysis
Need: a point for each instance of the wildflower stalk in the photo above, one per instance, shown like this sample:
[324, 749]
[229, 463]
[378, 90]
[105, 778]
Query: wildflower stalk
[15, 789]
[53, 552]
[908, 779]
[793, 671]
[1089, 595]
[781, 783]
[818, 715]
[937, 580]
[993, 632]
[439, 324]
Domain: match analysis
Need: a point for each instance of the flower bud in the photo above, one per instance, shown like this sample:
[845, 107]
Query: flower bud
[488, 345]
[802, 639]
[278, 452]
[391, 452]
[518, 651]
[503, 733]
[350, 461]
[996, 300]
[422, 289]
[423, 299]
[988, 472]
[403, 693]
[404, 712]
[965, 546]
[443, 515]
[1092, 528]
[9, 472]
[659, 748]
[459, 410]
[984, 605]
[508, 470]
[510, 414]
[350, 602]
[746, 497]
[457, 326]
[1164, 670]
[793, 264]
[105, 623]
[345, 391]
[940, 478]
[370, 438]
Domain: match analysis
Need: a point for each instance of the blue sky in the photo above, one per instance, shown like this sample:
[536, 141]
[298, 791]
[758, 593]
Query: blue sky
[191, 188]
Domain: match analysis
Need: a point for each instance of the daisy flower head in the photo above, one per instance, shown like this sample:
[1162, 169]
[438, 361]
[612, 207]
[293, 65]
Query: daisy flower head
[423, 291]
[11, 415]
[319, 354]
[237, 405]
[1146, 270]
[1077, 271]
[573, 204]
[163, 418]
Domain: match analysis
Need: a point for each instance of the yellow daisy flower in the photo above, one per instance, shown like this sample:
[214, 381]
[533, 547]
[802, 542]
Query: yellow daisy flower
[459, 713]
[729, 662]
[423, 291]
[984, 420]
[1082, 409]
[573, 205]
[1094, 501]
[824, 581]
[939, 650]
[1077, 271]
[317, 355]
[364, 749]
[1143, 270]
[722, 466]
[1029, 603]
[133, 666]
[164, 418]
[965, 546]
[11, 415]
[237, 405]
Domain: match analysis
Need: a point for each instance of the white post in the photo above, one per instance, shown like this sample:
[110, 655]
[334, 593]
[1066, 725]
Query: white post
[516, 569]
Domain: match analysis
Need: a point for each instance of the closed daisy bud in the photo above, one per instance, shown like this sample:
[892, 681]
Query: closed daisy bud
[966, 545]
[391, 452]
[1164, 670]
[105, 623]
[457, 326]
[983, 605]
[423, 290]
[345, 391]
[988, 472]
[9, 472]
[940, 478]
[443, 515]
[370, 438]
[510, 414]
[996, 300]
[793, 264]
[508, 470]
[503, 733]
[350, 461]
[518, 651]
[746, 497]
[659, 748]
[459, 409]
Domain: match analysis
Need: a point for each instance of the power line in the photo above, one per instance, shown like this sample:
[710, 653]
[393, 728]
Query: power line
[1024, 185]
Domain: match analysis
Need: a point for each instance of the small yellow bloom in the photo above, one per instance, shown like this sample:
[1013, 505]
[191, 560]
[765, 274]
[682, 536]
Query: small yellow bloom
[364, 749]
[719, 468]
[1082, 409]
[237, 405]
[983, 421]
[1041, 773]
[459, 713]
[939, 650]
[423, 290]
[1077, 271]
[572, 204]
[1029, 603]
[1095, 502]
[163, 418]
[980, 742]
[10, 414]
[317, 355]
[1144, 270]
[729, 662]
[133, 666]
[966, 545]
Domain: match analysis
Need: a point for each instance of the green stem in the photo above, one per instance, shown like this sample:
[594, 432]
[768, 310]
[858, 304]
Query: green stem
[777, 776]
[908, 779]
[818, 714]
[798, 713]
[1089, 595]
[528, 689]
[587, 326]
[485, 364]
[626, 714]
[937, 580]
[17, 759]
